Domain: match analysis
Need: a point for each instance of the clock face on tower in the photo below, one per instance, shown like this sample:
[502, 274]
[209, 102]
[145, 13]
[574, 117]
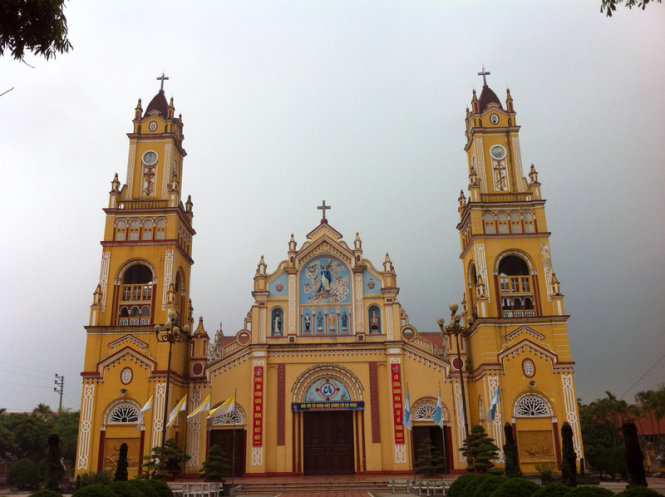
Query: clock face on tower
[497, 152]
[494, 119]
[149, 158]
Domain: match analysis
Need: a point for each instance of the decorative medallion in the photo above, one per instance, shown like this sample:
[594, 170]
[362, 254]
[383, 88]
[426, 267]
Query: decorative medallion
[327, 390]
[528, 368]
[197, 368]
[497, 152]
[494, 119]
[126, 376]
[458, 363]
[371, 284]
[152, 126]
[279, 287]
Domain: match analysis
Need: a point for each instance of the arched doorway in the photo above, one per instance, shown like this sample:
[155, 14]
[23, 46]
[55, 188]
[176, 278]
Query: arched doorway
[328, 406]
[430, 443]
[228, 431]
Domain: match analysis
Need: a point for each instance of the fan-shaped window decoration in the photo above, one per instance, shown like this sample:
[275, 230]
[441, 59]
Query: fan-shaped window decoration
[531, 406]
[424, 412]
[124, 413]
[233, 418]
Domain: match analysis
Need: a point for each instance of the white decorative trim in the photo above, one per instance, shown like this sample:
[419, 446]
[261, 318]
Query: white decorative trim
[519, 174]
[168, 276]
[193, 428]
[495, 428]
[166, 169]
[400, 453]
[257, 456]
[547, 267]
[292, 303]
[460, 421]
[360, 315]
[390, 332]
[480, 162]
[130, 167]
[481, 264]
[570, 402]
[262, 324]
[158, 413]
[85, 428]
[104, 276]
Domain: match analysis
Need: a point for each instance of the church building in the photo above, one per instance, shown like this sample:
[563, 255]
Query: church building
[326, 375]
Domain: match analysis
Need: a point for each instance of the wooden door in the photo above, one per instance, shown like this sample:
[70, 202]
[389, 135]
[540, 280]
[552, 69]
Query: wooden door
[230, 441]
[328, 443]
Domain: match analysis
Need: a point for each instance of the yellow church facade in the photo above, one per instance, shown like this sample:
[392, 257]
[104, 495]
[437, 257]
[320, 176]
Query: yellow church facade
[326, 367]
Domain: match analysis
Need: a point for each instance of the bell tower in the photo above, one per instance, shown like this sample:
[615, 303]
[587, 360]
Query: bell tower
[144, 281]
[517, 341]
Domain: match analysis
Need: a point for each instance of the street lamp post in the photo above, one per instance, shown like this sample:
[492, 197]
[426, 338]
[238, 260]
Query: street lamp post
[454, 328]
[170, 333]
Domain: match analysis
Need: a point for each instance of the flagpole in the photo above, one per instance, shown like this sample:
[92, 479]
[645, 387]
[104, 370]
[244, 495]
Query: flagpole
[443, 438]
[233, 443]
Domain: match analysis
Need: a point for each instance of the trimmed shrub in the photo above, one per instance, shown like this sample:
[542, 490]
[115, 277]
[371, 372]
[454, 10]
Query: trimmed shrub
[24, 474]
[568, 456]
[457, 487]
[552, 490]
[160, 487]
[638, 492]
[94, 490]
[589, 492]
[634, 456]
[102, 478]
[515, 487]
[54, 469]
[121, 467]
[486, 485]
[510, 450]
[144, 487]
[124, 489]
[46, 493]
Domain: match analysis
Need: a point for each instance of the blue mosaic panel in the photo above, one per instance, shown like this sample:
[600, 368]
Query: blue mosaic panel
[371, 284]
[325, 280]
[327, 390]
[279, 286]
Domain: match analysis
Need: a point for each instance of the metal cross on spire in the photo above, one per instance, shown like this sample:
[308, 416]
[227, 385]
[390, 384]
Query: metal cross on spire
[323, 207]
[162, 78]
[484, 73]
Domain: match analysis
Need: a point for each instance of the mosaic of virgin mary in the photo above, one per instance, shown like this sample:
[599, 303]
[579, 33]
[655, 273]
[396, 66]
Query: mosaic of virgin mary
[325, 280]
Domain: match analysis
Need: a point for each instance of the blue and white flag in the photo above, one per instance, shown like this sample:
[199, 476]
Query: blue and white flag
[406, 418]
[438, 411]
[493, 404]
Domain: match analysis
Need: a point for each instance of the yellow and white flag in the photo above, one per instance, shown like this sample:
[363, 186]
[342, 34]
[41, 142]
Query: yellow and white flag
[144, 409]
[229, 405]
[203, 407]
[180, 406]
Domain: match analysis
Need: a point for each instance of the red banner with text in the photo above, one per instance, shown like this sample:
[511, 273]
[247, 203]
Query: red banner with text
[257, 424]
[398, 406]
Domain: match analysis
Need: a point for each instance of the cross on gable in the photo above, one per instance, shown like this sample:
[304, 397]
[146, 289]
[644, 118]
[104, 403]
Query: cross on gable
[323, 207]
[484, 73]
[162, 78]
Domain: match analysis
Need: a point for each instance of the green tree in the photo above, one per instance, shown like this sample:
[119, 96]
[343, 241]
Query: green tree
[510, 450]
[38, 26]
[609, 6]
[634, 456]
[121, 469]
[479, 450]
[24, 474]
[54, 469]
[429, 460]
[568, 456]
[216, 467]
[164, 463]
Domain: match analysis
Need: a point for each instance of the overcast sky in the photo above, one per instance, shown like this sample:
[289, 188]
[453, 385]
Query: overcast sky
[360, 103]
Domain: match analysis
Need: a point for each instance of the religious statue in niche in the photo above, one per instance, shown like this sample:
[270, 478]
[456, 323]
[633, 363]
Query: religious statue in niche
[325, 281]
[277, 323]
[319, 321]
[374, 321]
[331, 321]
[345, 321]
[308, 323]
[500, 182]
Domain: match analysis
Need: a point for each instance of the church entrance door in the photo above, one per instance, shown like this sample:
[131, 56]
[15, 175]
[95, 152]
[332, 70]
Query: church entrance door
[428, 441]
[231, 441]
[328, 443]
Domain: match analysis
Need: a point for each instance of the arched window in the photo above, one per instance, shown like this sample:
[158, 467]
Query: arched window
[233, 418]
[124, 413]
[515, 222]
[515, 288]
[502, 223]
[529, 222]
[488, 223]
[146, 233]
[135, 296]
[160, 230]
[134, 228]
[532, 406]
[121, 230]
[424, 412]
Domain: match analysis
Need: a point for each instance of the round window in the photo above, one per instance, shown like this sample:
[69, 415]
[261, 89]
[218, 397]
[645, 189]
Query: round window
[150, 158]
[126, 376]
